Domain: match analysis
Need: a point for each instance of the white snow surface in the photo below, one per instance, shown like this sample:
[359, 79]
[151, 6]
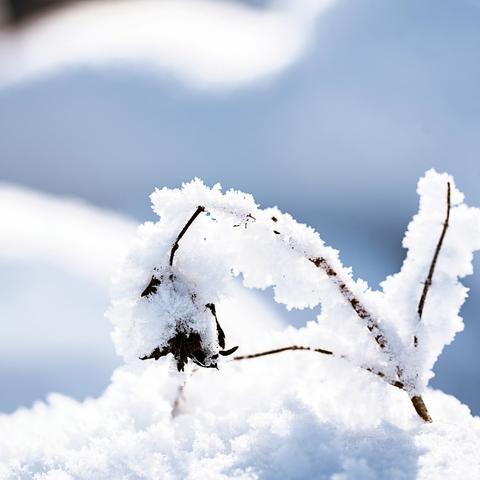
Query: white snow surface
[295, 415]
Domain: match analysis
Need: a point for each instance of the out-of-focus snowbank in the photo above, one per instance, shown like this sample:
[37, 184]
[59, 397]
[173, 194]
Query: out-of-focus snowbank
[203, 42]
[56, 259]
[79, 238]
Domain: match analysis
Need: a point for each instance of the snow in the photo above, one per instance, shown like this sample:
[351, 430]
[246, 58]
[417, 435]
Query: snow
[57, 256]
[441, 320]
[230, 235]
[286, 418]
[204, 43]
[293, 415]
[69, 234]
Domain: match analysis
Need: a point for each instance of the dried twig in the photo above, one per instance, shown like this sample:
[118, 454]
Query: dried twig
[180, 397]
[280, 350]
[417, 401]
[428, 281]
[375, 330]
[358, 307]
[421, 408]
[360, 310]
[380, 374]
[197, 212]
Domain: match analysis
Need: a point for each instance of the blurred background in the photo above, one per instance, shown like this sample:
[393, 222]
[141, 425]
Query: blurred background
[330, 109]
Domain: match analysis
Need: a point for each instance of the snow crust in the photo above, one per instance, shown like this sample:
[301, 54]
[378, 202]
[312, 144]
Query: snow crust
[295, 415]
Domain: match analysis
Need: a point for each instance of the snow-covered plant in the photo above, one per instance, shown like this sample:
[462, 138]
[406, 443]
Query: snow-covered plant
[182, 265]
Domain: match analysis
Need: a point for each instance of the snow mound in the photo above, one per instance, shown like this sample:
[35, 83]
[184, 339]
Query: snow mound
[295, 418]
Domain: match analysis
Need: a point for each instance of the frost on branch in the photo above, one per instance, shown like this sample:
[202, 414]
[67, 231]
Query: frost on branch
[403, 292]
[181, 266]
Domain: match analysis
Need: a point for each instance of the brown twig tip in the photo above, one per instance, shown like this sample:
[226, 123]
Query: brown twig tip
[421, 408]
[428, 281]
[197, 212]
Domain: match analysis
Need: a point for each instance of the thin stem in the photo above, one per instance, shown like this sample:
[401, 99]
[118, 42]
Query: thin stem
[180, 397]
[197, 212]
[374, 328]
[428, 281]
[360, 309]
[421, 408]
[380, 374]
[280, 350]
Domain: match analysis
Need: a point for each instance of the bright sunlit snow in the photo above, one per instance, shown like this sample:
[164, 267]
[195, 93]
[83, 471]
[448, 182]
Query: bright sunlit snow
[293, 415]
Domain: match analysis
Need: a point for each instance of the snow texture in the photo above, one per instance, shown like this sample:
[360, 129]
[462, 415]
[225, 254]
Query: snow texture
[295, 415]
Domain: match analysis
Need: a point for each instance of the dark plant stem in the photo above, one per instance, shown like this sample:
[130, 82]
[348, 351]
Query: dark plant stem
[360, 310]
[197, 212]
[371, 323]
[374, 328]
[421, 408]
[380, 374]
[280, 350]
[417, 400]
[428, 281]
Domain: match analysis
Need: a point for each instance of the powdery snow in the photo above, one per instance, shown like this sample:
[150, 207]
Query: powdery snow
[298, 417]
[294, 415]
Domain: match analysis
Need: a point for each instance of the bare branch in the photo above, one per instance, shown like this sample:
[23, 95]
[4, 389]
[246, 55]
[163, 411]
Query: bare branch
[280, 350]
[358, 307]
[373, 326]
[373, 370]
[428, 281]
[197, 212]
[360, 310]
